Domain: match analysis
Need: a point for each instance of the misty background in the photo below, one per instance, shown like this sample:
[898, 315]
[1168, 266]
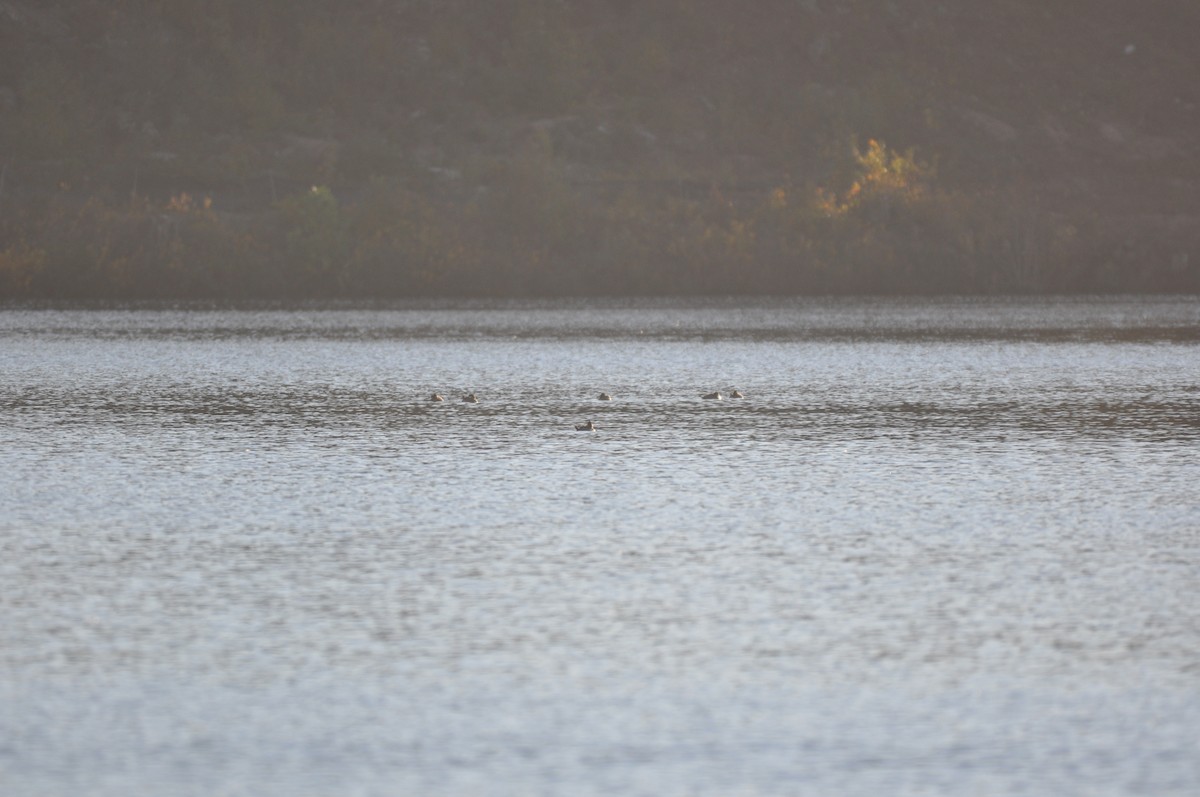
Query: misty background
[307, 148]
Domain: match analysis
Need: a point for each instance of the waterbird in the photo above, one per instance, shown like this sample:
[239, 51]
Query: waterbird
[736, 394]
[716, 396]
[436, 397]
[605, 397]
[585, 427]
[470, 398]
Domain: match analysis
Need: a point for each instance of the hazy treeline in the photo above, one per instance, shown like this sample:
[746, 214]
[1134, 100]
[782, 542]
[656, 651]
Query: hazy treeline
[180, 148]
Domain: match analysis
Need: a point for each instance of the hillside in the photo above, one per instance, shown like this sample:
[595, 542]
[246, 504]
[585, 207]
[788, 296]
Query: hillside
[217, 148]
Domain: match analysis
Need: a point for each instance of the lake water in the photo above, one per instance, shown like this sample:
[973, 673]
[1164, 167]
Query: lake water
[939, 548]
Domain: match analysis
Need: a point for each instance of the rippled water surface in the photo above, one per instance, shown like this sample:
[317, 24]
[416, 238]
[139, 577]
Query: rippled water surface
[939, 548]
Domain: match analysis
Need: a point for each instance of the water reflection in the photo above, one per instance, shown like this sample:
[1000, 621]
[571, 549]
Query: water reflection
[1054, 319]
[1175, 416]
[242, 549]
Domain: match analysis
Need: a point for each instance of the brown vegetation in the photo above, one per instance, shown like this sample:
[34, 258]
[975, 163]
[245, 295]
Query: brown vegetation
[181, 148]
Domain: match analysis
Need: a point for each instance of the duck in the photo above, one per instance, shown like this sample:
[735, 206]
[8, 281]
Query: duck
[716, 396]
[736, 394]
[470, 398]
[436, 397]
[585, 427]
[605, 397]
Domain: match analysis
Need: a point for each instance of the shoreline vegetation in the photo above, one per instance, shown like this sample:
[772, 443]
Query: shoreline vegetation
[207, 150]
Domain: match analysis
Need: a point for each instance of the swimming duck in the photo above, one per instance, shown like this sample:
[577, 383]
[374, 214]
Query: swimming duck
[436, 397]
[470, 398]
[605, 397]
[716, 396]
[585, 427]
[736, 394]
